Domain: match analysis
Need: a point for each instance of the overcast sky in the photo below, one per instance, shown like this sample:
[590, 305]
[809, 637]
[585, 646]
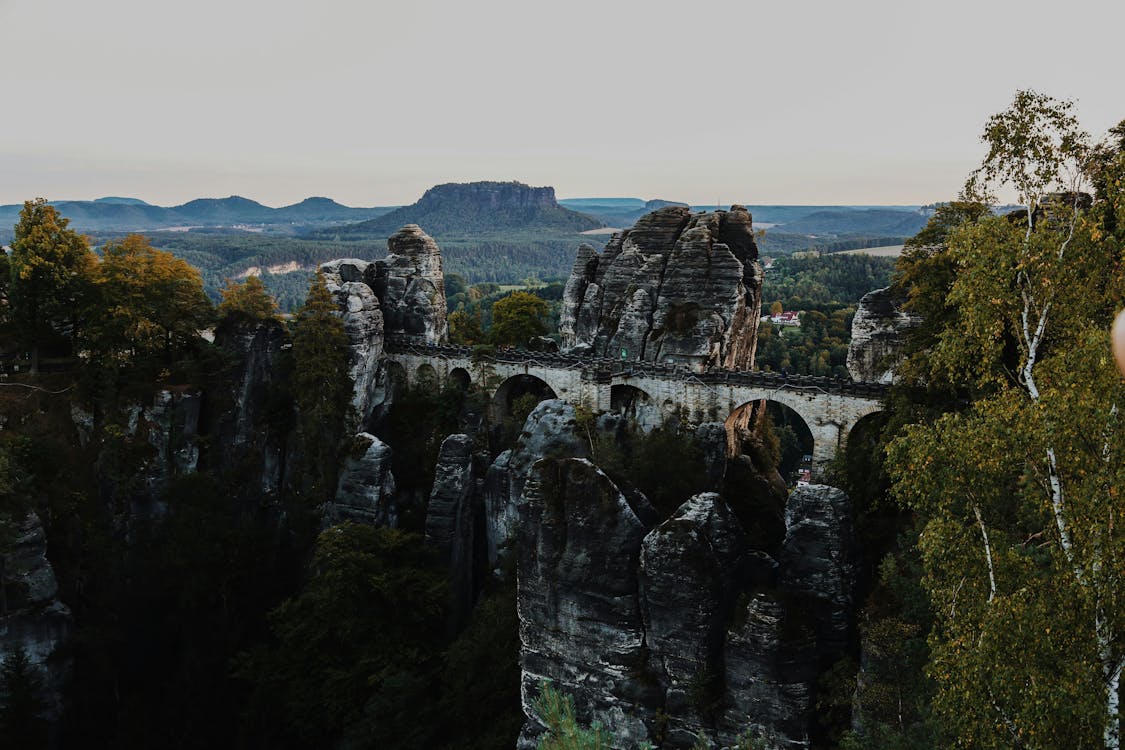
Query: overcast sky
[370, 103]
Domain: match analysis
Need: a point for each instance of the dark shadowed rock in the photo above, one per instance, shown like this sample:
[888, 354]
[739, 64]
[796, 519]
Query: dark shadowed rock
[690, 570]
[246, 429]
[449, 518]
[771, 671]
[580, 621]
[33, 618]
[879, 331]
[550, 430]
[676, 287]
[818, 559]
[365, 492]
[711, 437]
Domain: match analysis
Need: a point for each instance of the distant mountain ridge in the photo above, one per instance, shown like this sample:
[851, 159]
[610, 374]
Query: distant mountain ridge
[133, 214]
[476, 208]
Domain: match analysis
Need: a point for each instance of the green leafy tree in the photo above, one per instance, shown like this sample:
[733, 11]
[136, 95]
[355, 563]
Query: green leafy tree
[518, 318]
[358, 649]
[321, 385]
[1021, 557]
[49, 268]
[147, 305]
[248, 301]
[5, 283]
[465, 329]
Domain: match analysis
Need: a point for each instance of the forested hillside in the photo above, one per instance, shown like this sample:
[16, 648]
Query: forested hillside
[825, 289]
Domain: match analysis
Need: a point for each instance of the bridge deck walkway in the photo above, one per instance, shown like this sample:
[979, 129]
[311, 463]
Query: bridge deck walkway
[609, 367]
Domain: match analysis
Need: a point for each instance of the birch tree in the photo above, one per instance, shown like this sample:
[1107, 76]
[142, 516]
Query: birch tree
[1023, 546]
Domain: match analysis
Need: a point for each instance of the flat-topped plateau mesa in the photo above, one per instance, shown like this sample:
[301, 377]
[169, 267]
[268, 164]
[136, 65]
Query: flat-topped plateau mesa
[477, 207]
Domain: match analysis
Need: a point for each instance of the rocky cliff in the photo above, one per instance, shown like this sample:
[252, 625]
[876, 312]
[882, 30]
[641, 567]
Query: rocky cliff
[879, 331]
[411, 287]
[31, 616]
[400, 295]
[677, 287]
[670, 630]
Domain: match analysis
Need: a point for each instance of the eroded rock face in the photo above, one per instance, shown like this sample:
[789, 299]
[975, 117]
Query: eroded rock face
[400, 295]
[677, 287]
[550, 430]
[449, 517]
[879, 331]
[411, 287]
[365, 492]
[244, 429]
[34, 619]
[771, 671]
[363, 324]
[170, 427]
[818, 560]
[580, 617]
[690, 572]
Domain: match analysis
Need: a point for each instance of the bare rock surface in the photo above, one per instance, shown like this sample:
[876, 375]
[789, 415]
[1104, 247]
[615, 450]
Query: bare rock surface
[579, 605]
[818, 560]
[363, 324]
[879, 331]
[770, 671]
[550, 430]
[676, 287]
[410, 286]
[33, 618]
[449, 518]
[244, 427]
[365, 492]
[689, 573]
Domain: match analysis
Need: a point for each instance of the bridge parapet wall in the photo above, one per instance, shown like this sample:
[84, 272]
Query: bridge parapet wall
[830, 407]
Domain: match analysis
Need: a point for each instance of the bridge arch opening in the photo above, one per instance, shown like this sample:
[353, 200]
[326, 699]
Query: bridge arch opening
[460, 377]
[636, 405]
[517, 396]
[776, 433]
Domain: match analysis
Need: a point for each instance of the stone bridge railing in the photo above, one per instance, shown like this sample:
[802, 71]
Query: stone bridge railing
[609, 367]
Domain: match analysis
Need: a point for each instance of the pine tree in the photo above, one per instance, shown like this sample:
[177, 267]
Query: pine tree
[322, 387]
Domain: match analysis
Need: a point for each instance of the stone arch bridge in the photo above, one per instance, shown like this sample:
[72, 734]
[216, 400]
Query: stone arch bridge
[649, 391]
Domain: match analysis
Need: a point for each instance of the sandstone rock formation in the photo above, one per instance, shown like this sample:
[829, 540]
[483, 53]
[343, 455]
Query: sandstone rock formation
[33, 618]
[818, 560]
[770, 671]
[690, 571]
[363, 324]
[580, 617]
[677, 287]
[365, 492]
[457, 208]
[728, 639]
[550, 429]
[410, 286]
[449, 518]
[400, 295]
[879, 331]
[244, 429]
